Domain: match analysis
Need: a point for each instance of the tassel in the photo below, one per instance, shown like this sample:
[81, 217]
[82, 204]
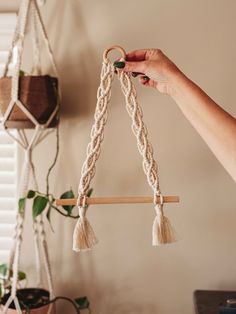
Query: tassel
[83, 237]
[162, 231]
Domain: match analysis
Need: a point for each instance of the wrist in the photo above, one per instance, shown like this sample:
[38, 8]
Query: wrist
[177, 80]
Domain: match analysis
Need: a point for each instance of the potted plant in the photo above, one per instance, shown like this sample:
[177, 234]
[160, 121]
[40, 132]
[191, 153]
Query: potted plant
[37, 300]
[28, 100]
[38, 94]
[33, 300]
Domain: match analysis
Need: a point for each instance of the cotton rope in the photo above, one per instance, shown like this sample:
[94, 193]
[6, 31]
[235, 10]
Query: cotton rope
[41, 2]
[84, 237]
[36, 69]
[28, 11]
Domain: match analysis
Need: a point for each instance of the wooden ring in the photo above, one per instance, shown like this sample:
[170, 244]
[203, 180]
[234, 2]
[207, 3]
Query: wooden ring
[120, 49]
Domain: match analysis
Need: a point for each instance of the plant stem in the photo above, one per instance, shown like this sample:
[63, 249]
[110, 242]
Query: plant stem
[63, 214]
[69, 300]
[53, 301]
[54, 161]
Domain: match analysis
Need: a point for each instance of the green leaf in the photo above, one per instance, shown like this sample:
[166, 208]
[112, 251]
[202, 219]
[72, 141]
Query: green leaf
[21, 73]
[3, 270]
[83, 303]
[48, 215]
[21, 205]
[66, 195]
[31, 194]
[39, 204]
[90, 191]
[21, 275]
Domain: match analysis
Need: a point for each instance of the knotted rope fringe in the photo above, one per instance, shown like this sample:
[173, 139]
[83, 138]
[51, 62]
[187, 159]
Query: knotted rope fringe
[162, 230]
[84, 237]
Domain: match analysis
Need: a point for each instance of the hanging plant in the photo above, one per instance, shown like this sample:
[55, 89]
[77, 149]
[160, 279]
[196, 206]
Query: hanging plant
[33, 298]
[30, 101]
[46, 202]
[38, 94]
[6, 279]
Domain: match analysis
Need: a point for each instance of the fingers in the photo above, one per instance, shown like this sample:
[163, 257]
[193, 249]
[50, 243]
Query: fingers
[135, 67]
[135, 74]
[137, 55]
[138, 62]
[139, 67]
[146, 81]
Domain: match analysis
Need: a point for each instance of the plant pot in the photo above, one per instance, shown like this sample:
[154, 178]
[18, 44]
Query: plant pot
[39, 94]
[32, 301]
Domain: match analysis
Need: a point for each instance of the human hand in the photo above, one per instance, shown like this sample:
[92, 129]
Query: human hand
[153, 68]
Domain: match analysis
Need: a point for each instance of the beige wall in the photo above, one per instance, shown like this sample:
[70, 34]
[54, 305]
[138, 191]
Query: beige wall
[124, 273]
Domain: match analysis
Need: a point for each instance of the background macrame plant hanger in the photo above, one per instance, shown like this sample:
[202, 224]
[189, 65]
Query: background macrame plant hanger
[28, 12]
[84, 237]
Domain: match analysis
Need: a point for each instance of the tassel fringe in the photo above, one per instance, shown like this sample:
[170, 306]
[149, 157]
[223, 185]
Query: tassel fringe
[83, 237]
[162, 231]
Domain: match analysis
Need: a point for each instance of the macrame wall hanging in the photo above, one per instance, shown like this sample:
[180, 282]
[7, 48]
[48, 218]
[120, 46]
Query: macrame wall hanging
[29, 102]
[84, 237]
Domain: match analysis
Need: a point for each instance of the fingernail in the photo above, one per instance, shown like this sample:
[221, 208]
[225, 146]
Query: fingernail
[119, 64]
[146, 78]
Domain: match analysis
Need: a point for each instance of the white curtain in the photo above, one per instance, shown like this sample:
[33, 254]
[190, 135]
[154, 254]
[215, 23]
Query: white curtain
[8, 154]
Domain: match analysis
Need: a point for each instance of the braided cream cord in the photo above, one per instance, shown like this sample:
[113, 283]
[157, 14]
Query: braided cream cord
[97, 132]
[162, 232]
[140, 131]
[84, 237]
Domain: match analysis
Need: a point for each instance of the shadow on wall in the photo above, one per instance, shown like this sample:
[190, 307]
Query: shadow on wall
[111, 297]
[115, 303]
[74, 55]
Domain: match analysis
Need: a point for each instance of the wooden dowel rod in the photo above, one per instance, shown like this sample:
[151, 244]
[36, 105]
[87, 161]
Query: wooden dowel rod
[117, 200]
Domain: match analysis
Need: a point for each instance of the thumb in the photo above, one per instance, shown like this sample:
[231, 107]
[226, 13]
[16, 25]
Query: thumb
[138, 66]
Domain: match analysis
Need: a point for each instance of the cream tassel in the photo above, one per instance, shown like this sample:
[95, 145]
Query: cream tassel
[83, 237]
[162, 231]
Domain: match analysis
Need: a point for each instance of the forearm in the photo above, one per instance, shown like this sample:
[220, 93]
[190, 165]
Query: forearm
[216, 126]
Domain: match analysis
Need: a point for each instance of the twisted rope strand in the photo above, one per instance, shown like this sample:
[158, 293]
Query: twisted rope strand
[140, 131]
[84, 237]
[162, 231]
[97, 132]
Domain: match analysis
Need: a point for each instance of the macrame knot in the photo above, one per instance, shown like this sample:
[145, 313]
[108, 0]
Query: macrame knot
[162, 231]
[27, 155]
[82, 211]
[84, 237]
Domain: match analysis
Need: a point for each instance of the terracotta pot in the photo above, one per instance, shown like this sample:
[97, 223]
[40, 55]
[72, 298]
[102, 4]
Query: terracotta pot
[37, 93]
[36, 299]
